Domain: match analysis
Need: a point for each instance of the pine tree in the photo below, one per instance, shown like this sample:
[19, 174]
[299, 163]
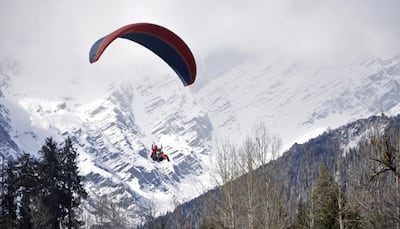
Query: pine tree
[352, 218]
[49, 177]
[9, 198]
[72, 188]
[325, 199]
[28, 182]
[302, 218]
[61, 191]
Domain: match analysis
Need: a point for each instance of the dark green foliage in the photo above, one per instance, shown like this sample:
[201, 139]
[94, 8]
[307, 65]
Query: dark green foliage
[9, 197]
[61, 185]
[321, 209]
[43, 194]
[71, 188]
[326, 210]
[49, 180]
[302, 220]
[352, 218]
[28, 182]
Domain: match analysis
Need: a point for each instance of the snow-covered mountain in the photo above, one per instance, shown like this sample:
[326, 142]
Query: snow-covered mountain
[113, 130]
[294, 98]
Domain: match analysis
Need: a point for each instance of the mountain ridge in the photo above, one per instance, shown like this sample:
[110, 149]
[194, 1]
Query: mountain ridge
[113, 132]
[291, 170]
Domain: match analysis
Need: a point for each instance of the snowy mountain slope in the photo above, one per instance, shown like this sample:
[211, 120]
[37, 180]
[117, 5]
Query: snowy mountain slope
[7, 145]
[295, 98]
[114, 130]
[16, 132]
[114, 142]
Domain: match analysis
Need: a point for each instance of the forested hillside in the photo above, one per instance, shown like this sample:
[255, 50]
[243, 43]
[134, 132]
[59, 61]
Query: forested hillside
[345, 178]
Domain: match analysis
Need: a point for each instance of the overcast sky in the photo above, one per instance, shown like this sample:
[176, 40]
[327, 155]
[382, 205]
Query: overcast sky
[49, 37]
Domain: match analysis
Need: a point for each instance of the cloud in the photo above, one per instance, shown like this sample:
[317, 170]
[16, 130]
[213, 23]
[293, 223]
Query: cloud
[51, 39]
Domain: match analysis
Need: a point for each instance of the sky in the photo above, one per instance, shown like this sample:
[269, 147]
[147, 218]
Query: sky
[50, 39]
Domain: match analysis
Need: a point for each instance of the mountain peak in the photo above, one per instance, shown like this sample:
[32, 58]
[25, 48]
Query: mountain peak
[113, 131]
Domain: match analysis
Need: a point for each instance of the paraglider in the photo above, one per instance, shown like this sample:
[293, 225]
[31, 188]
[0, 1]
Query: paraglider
[161, 41]
[157, 154]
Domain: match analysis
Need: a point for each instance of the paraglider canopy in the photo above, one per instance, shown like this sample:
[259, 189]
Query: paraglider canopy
[163, 42]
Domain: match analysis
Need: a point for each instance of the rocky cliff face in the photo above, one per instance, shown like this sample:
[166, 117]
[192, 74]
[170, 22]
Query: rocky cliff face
[113, 132]
[113, 136]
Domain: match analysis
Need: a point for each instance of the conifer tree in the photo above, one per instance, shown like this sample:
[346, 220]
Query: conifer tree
[45, 194]
[72, 188]
[61, 188]
[49, 170]
[302, 218]
[325, 210]
[28, 182]
[9, 198]
[325, 199]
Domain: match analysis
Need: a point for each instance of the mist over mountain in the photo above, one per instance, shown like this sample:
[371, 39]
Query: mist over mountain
[114, 128]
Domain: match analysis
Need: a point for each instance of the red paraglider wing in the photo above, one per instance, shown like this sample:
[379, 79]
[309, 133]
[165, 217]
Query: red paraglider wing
[163, 42]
